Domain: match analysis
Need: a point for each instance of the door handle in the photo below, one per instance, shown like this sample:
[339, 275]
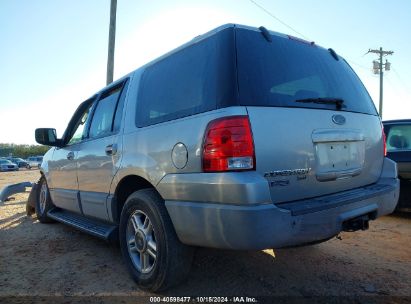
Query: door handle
[70, 155]
[111, 149]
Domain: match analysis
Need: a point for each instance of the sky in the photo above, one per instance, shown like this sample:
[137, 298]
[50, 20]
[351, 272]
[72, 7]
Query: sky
[53, 53]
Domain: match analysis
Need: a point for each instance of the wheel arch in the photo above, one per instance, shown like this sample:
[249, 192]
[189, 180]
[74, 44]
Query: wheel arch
[42, 174]
[127, 185]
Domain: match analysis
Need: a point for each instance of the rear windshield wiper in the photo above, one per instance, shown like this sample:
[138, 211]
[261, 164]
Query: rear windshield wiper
[338, 102]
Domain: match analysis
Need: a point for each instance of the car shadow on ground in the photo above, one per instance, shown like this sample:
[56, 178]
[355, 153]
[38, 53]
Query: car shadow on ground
[400, 214]
[13, 219]
[300, 272]
[12, 202]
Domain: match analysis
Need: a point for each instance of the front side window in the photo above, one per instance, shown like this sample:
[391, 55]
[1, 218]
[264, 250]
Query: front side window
[399, 138]
[102, 122]
[79, 132]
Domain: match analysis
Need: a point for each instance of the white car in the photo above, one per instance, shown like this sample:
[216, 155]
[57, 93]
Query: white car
[6, 165]
[34, 162]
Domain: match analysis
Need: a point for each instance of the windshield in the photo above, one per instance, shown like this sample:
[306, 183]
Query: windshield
[291, 73]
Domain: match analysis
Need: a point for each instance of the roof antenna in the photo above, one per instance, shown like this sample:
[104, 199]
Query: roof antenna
[265, 33]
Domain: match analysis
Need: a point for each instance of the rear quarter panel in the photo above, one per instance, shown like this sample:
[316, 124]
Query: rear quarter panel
[147, 151]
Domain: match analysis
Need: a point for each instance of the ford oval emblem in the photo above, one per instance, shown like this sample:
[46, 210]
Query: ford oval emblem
[338, 119]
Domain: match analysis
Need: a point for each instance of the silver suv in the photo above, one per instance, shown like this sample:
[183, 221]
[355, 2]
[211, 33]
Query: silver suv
[241, 139]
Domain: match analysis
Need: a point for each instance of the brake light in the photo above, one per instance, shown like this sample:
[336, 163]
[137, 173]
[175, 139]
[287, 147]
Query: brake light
[228, 145]
[384, 139]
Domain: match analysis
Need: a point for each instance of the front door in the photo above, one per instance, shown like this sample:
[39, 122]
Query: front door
[63, 175]
[63, 166]
[100, 155]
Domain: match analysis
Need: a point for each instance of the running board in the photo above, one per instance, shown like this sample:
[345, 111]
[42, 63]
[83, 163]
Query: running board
[91, 226]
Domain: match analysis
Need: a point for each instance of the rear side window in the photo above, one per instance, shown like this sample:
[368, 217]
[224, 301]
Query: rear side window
[399, 138]
[193, 80]
[286, 70]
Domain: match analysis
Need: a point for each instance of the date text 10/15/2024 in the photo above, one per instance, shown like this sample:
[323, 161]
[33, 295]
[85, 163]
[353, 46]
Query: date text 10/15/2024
[203, 300]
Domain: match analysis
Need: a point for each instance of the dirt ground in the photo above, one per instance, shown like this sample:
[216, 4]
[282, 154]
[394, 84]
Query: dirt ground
[56, 260]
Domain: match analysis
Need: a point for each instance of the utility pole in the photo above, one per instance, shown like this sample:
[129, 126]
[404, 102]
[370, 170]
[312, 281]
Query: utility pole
[111, 41]
[378, 69]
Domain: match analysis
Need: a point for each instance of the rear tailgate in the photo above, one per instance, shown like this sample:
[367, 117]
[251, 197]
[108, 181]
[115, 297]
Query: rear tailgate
[302, 153]
[315, 128]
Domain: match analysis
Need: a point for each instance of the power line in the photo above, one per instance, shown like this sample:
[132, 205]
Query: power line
[278, 19]
[400, 79]
[357, 64]
[291, 28]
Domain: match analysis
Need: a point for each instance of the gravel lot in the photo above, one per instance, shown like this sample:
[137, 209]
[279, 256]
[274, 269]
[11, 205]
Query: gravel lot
[56, 260]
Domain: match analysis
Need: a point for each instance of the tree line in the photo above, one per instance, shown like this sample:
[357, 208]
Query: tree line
[23, 151]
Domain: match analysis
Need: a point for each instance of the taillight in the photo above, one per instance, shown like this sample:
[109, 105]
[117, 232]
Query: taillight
[384, 139]
[228, 145]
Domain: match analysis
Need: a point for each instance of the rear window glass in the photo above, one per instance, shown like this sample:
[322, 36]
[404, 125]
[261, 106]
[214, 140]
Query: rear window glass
[399, 138]
[193, 80]
[286, 70]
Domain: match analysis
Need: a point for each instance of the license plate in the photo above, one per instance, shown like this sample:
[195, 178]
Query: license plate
[339, 159]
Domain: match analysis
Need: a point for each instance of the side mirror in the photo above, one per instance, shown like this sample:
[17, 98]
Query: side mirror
[47, 136]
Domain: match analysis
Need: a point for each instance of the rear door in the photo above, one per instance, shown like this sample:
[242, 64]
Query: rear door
[99, 156]
[315, 128]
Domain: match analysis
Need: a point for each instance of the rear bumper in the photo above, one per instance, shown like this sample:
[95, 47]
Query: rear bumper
[260, 226]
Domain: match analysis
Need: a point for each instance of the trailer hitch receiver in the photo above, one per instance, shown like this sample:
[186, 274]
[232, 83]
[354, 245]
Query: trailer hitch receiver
[357, 223]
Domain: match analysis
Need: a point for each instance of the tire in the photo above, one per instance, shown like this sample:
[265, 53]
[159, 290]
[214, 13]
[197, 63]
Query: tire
[43, 202]
[153, 254]
[28, 167]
